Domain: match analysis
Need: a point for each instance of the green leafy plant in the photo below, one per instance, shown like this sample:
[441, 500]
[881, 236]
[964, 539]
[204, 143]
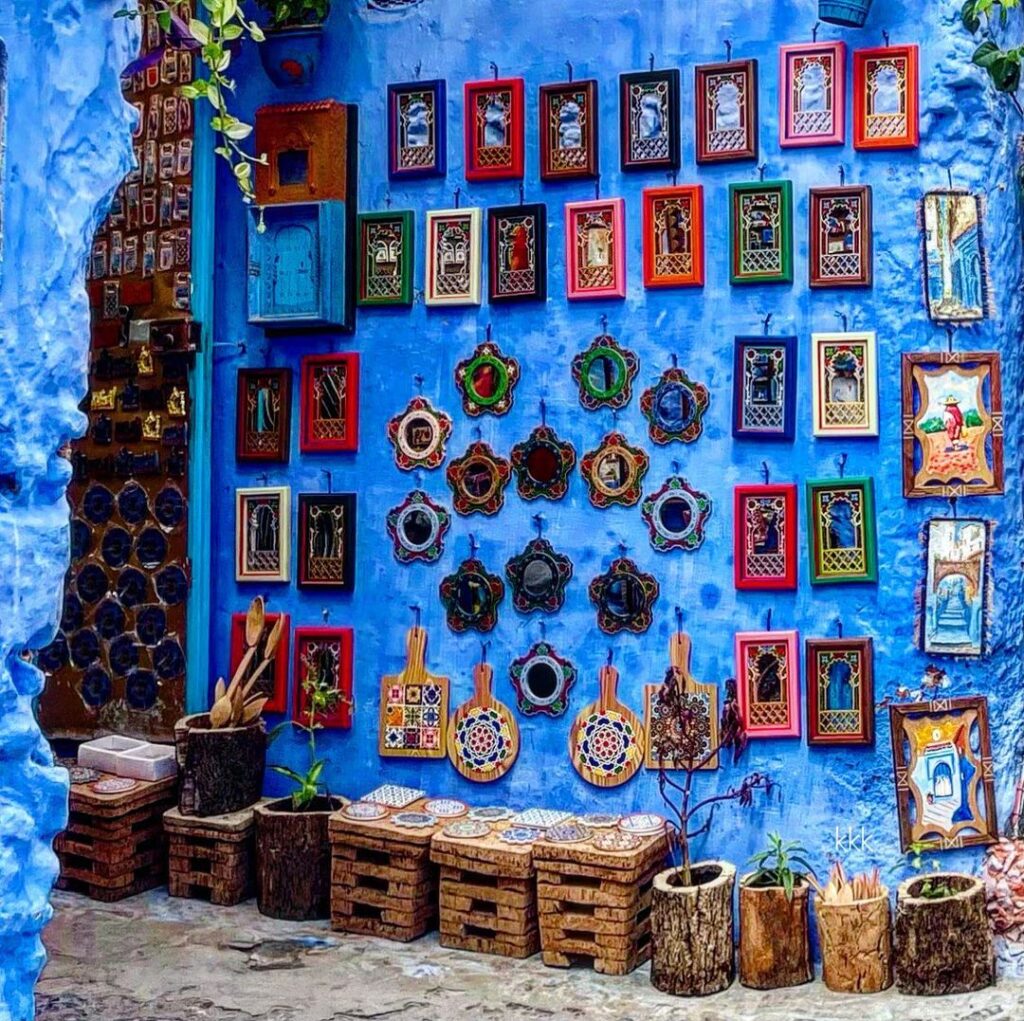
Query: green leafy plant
[285, 13]
[1002, 65]
[933, 888]
[777, 865]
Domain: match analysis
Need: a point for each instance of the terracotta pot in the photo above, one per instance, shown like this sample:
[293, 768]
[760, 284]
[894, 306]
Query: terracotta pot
[291, 54]
[293, 859]
[692, 951]
[221, 770]
[775, 949]
[856, 944]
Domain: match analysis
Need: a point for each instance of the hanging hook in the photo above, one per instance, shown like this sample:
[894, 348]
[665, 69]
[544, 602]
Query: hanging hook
[418, 380]
[543, 630]
[650, 61]
[952, 506]
[604, 324]
[839, 626]
[679, 618]
[623, 548]
[841, 464]
[483, 651]
[522, 194]
[538, 523]
[885, 36]
[543, 412]
[842, 174]
[330, 479]
[950, 332]
[487, 332]
[264, 478]
[418, 69]
[728, 50]
[415, 607]
[387, 200]
[766, 473]
[494, 68]
[472, 546]
[768, 620]
[326, 614]
[478, 432]
[418, 478]
[675, 468]
[615, 417]
[766, 323]
[762, 167]
[949, 177]
[814, 31]
[675, 360]
[611, 656]
[841, 316]
[458, 192]
[568, 67]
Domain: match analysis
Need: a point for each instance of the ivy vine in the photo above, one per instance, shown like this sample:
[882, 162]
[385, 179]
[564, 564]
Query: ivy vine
[1002, 65]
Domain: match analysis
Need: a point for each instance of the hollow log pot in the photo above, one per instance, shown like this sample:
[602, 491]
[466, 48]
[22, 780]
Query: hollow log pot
[943, 945]
[293, 859]
[221, 770]
[692, 951]
[856, 945]
[775, 949]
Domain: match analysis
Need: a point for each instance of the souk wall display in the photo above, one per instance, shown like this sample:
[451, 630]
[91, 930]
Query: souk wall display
[569, 338]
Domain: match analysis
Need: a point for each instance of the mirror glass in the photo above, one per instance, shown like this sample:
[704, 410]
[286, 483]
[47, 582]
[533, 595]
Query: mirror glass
[417, 528]
[675, 515]
[419, 433]
[604, 375]
[543, 464]
[613, 471]
[538, 577]
[623, 596]
[541, 680]
[478, 479]
[486, 381]
[472, 595]
[673, 407]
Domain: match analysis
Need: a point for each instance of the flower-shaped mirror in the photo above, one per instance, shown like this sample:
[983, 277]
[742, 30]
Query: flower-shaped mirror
[624, 596]
[542, 464]
[418, 435]
[538, 577]
[604, 374]
[674, 407]
[614, 472]
[417, 527]
[542, 679]
[471, 596]
[676, 515]
[478, 480]
[486, 380]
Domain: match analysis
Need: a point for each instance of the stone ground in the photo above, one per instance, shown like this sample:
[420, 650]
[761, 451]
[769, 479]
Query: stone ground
[152, 958]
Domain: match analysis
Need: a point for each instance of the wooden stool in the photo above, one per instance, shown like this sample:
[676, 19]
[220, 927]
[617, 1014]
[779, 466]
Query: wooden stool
[596, 905]
[382, 879]
[211, 858]
[488, 895]
[114, 844]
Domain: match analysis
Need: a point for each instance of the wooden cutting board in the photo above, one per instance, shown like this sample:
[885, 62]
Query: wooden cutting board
[703, 700]
[413, 706]
[607, 741]
[483, 739]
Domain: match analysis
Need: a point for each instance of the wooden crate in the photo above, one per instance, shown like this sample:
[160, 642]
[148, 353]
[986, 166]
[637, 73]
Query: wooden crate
[382, 880]
[114, 844]
[595, 906]
[488, 895]
[211, 858]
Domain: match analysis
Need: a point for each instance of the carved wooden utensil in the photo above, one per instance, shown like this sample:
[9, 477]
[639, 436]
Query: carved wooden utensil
[483, 739]
[607, 741]
[413, 706]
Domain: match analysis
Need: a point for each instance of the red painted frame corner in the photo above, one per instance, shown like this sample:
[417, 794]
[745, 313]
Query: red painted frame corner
[512, 168]
[279, 698]
[743, 579]
[695, 194]
[341, 717]
[350, 441]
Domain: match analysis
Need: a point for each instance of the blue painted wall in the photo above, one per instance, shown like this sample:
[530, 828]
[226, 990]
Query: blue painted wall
[964, 130]
[67, 137]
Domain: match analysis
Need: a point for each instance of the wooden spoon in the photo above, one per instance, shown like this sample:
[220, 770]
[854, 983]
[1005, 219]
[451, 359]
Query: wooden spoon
[255, 618]
[253, 709]
[219, 689]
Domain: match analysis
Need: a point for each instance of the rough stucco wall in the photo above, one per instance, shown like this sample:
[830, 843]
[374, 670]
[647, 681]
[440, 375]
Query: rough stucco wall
[67, 147]
[963, 128]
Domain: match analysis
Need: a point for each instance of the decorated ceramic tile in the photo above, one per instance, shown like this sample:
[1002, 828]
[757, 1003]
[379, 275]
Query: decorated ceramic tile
[496, 813]
[542, 817]
[567, 833]
[521, 835]
[599, 820]
[393, 796]
[115, 785]
[642, 824]
[413, 820]
[466, 829]
[446, 808]
[616, 840]
[364, 810]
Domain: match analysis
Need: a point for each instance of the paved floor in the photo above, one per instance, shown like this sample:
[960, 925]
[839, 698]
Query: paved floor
[156, 959]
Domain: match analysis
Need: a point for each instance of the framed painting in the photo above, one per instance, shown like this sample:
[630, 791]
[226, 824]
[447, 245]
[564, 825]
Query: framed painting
[263, 415]
[649, 120]
[885, 98]
[952, 424]
[323, 654]
[840, 691]
[942, 762]
[840, 241]
[841, 521]
[953, 611]
[517, 265]
[417, 135]
[494, 129]
[673, 225]
[844, 377]
[274, 681]
[454, 241]
[263, 534]
[568, 131]
[385, 258]
[330, 403]
[954, 258]
[764, 534]
[761, 239]
[812, 94]
[764, 388]
[725, 97]
[327, 540]
[595, 249]
[768, 683]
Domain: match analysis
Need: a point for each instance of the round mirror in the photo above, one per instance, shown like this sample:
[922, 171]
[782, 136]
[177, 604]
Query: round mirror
[676, 516]
[674, 407]
[605, 373]
[486, 381]
[417, 527]
[538, 577]
[613, 471]
[623, 596]
[541, 680]
[472, 595]
[543, 464]
[418, 434]
[479, 480]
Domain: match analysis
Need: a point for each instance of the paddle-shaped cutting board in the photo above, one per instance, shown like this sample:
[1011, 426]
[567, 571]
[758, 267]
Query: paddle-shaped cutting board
[606, 742]
[413, 706]
[703, 703]
[483, 739]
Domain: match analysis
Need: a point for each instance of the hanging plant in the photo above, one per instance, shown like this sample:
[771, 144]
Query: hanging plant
[1002, 65]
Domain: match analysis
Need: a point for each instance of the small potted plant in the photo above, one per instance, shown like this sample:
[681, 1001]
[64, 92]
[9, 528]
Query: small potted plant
[692, 946]
[775, 947]
[854, 933]
[943, 940]
[293, 851]
[848, 13]
[294, 38]
[222, 753]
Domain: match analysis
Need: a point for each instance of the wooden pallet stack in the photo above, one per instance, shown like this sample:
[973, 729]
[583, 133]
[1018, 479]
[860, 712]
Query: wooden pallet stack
[382, 880]
[488, 895]
[114, 844]
[211, 858]
[595, 905]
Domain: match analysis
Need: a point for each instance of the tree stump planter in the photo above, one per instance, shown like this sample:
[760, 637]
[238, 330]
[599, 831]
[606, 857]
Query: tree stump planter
[221, 770]
[856, 945]
[692, 952]
[775, 949]
[943, 945]
[293, 859]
